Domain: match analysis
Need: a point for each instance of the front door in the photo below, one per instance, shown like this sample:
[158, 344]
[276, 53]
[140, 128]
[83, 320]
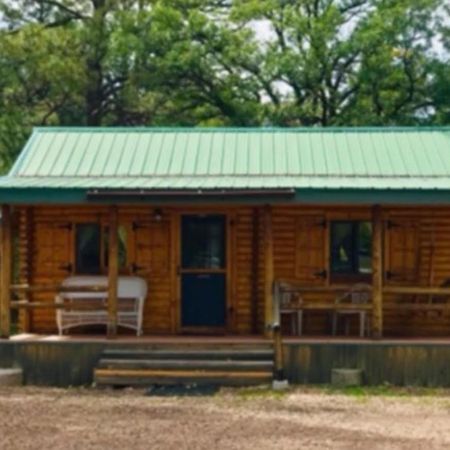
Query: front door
[203, 271]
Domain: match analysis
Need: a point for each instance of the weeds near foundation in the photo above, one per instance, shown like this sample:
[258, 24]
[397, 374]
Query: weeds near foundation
[386, 391]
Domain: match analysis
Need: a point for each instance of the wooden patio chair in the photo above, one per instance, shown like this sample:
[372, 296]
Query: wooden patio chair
[436, 299]
[359, 294]
[290, 304]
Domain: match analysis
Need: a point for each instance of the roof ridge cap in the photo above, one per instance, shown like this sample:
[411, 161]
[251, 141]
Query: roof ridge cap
[343, 129]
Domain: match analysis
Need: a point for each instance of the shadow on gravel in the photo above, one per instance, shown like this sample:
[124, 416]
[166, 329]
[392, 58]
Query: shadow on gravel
[182, 390]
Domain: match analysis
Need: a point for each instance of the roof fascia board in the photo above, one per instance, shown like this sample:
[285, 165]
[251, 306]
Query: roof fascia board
[373, 196]
[302, 196]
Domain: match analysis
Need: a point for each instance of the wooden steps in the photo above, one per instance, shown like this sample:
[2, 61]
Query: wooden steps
[170, 364]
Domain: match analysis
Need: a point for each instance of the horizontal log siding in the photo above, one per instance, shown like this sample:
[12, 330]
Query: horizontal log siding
[53, 252]
[150, 246]
[286, 223]
[421, 323]
[396, 323]
[243, 274]
[52, 243]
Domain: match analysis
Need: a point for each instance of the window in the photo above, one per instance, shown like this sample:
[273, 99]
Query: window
[91, 248]
[203, 242]
[87, 248]
[351, 247]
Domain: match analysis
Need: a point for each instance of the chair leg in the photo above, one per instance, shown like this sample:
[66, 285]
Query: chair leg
[347, 325]
[362, 324]
[368, 327]
[299, 322]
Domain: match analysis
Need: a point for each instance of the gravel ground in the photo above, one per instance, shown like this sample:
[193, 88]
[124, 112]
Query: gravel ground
[43, 418]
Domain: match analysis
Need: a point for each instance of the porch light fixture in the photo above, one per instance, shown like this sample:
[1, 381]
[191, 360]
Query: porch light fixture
[108, 194]
[157, 215]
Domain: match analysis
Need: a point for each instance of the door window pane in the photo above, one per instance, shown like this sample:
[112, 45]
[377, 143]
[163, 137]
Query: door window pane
[87, 254]
[203, 241]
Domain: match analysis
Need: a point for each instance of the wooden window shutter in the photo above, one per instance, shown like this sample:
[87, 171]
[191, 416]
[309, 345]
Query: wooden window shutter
[152, 248]
[310, 265]
[402, 253]
[53, 249]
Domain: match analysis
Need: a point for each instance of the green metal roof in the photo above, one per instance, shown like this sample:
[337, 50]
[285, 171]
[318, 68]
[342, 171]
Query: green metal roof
[300, 159]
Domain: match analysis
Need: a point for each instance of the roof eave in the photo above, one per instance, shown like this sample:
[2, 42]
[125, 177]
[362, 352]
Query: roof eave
[303, 196]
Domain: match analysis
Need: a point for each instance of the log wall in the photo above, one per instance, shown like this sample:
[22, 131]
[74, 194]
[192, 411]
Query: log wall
[416, 252]
[46, 248]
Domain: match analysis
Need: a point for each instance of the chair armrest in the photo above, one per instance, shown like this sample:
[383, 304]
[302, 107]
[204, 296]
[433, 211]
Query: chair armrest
[342, 297]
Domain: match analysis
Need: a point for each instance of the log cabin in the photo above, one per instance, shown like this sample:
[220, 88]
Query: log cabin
[223, 224]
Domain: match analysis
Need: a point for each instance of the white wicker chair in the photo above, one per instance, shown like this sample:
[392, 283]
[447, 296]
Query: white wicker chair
[131, 295]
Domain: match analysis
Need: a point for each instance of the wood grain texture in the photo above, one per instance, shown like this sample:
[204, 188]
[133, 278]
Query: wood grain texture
[377, 273]
[113, 270]
[405, 364]
[416, 252]
[5, 271]
[268, 270]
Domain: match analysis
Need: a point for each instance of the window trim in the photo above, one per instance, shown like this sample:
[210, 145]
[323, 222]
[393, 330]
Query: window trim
[103, 227]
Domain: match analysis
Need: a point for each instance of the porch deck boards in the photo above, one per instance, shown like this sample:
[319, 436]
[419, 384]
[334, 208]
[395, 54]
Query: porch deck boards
[225, 340]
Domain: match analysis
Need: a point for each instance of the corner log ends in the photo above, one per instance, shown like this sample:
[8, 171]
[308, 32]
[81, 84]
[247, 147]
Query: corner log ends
[377, 272]
[5, 271]
[113, 271]
[268, 270]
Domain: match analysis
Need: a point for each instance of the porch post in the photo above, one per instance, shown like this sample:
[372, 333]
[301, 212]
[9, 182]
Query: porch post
[268, 270]
[255, 267]
[113, 270]
[377, 272]
[5, 272]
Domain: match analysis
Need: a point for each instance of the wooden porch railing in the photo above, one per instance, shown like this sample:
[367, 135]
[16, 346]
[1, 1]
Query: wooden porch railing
[438, 298]
[53, 288]
[6, 303]
[277, 334]
[281, 287]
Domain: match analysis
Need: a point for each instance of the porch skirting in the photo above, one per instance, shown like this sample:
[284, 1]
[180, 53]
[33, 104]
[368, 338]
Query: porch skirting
[402, 363]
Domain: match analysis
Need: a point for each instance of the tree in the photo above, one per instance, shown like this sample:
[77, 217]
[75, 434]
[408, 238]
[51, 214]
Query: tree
[207, 62]
[334, 62]
[39, 75]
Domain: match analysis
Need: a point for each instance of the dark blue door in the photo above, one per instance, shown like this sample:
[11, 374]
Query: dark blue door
[203, 271]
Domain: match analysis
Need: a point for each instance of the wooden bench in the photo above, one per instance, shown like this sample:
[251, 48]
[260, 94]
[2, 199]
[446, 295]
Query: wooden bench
[131, 295]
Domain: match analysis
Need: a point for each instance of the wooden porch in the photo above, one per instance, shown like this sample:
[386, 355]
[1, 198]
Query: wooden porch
[265, 246]
[231, 340]
[72, 360]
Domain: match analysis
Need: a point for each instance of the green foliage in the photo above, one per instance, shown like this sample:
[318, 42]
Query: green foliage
[366, 392]
[221, 62]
